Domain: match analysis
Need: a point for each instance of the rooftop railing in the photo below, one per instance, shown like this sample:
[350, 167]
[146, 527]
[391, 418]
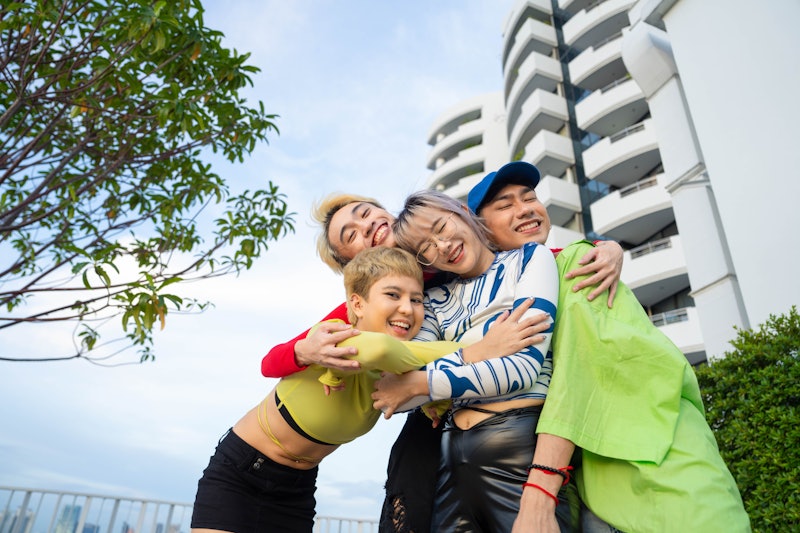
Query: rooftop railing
[24, 510]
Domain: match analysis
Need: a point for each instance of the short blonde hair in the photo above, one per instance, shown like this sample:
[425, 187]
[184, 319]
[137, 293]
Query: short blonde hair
[372, 264]
[322, 213]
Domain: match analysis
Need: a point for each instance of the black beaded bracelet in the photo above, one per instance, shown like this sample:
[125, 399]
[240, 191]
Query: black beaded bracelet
[563, 472]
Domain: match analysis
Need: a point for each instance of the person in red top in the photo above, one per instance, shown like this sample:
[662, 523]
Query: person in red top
[350, 223]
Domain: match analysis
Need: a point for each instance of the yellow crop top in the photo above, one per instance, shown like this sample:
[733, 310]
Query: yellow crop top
[348, 414]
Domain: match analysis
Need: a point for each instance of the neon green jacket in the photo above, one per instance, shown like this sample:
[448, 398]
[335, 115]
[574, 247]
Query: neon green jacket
[626, 395]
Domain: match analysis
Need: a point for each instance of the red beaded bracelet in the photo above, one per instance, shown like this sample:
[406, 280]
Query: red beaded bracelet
[534, 485]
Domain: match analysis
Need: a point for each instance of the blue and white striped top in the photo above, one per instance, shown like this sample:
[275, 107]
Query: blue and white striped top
[462, 310]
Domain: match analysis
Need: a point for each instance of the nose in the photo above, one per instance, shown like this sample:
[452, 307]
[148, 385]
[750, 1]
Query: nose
[404, 306]
[441, 245]
[524, 210]
[366, 227]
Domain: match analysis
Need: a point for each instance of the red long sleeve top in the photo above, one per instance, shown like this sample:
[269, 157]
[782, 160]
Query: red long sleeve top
[280, 362]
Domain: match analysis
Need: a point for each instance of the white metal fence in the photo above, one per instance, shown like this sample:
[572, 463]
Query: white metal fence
[24, 510]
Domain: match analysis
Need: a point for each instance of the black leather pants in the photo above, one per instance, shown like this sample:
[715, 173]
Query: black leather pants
[481, 473]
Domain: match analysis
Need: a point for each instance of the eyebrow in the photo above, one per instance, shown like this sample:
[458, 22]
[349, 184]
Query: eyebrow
[502, 197]
[431, 229]
[400, 289]
[507, 196]
[438, 220]
[348, 224]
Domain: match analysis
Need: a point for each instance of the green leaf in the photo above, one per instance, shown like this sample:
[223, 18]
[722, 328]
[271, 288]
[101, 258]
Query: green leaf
[118, 117]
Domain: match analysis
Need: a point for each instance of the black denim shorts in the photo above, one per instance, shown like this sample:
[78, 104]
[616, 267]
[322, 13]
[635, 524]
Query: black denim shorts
[244, 491]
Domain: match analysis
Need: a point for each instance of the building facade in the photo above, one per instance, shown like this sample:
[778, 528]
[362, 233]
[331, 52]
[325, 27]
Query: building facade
[599, 108]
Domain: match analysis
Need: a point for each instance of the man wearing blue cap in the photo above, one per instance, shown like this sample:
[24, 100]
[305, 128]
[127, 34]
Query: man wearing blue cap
[650, 462]
[506, 201]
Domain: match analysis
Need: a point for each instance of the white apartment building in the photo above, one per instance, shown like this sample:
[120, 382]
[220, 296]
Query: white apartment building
[593, 97]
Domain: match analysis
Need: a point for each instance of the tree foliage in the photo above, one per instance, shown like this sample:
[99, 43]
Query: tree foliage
[107, 107]
[752, 400]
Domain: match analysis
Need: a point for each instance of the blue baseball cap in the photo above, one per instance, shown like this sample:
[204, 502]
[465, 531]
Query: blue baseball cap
[517, 172]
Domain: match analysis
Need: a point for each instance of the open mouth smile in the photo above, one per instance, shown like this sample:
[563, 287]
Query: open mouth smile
[380, 234]
[533, 225]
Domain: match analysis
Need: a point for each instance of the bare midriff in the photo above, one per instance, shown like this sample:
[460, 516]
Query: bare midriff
[291, 448]
[467, 418]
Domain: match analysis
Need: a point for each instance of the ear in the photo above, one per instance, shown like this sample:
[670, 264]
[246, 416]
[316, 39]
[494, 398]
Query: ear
[358, 304]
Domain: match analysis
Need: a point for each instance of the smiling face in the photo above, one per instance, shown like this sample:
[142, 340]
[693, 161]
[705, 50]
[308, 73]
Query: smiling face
[445, 241]
[393, 305]
[515, 216]
[358, 226]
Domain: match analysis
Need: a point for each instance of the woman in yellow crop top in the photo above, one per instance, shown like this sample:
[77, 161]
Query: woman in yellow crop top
[262, 476]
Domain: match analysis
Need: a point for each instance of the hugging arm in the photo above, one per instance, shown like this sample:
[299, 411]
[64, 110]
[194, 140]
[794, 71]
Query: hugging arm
[319, 348]
[512, 332]
[454, 377]
[379, 351]
[603, 265]
[451, 378]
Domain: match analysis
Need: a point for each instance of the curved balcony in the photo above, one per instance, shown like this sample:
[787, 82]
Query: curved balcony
[466, 135]
[598, 65]
[682, 327]
[551, 153]
[612, 108]
[542, 111]
[573, 6]
[624, 157]
[460, 189]
[634, 213]
[533, 37]
[598, 21]
[656, 270]
[561, 198]
[483, 108]
[536, 72]
[521, 12]
[466, 163]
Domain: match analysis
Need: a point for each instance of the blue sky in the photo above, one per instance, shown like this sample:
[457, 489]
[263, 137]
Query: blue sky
[357, 86]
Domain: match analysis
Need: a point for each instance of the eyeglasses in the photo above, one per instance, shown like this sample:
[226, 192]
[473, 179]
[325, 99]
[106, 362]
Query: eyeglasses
[429, 249]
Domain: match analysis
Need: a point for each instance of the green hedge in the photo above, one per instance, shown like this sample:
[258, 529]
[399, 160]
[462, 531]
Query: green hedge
[751, 398]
